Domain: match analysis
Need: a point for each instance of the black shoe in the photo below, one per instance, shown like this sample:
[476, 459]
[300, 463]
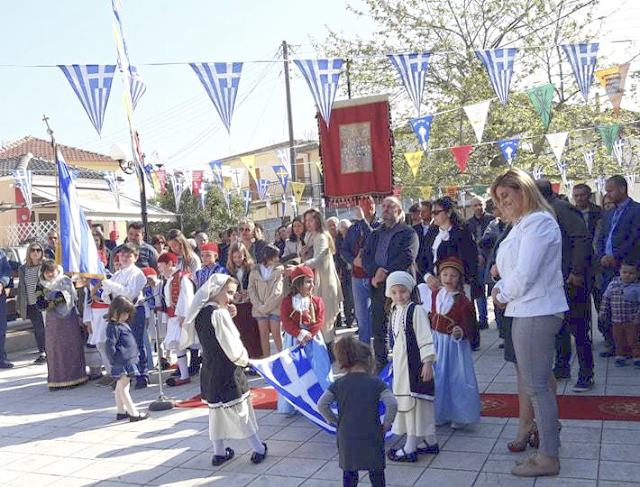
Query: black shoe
[259, 457]
[429, 450]
[6, 365]
[120, 417]
[405, 457]
[584, 384]
[561, 374]
[141, 383]
[220, 459]
[608, 353]
[483, 326]
[193, 370]
[501, 345]
[42, 359]
[139, 417]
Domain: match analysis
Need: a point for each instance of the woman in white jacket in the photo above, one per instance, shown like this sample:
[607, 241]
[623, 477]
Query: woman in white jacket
[531, 289]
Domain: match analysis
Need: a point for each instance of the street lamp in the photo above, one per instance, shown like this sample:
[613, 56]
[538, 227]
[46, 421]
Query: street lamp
[120, 153]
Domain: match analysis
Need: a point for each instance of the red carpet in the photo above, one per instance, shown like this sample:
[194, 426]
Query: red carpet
[261, 398]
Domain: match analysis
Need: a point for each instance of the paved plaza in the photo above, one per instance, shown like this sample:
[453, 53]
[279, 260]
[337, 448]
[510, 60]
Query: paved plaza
[70, 438]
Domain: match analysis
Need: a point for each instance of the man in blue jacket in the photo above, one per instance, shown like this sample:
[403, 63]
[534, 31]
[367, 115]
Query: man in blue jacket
[5, 280]
[617, 241]
[393, 246]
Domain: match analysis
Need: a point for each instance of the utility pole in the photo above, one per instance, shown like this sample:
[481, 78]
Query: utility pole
[349, 79]
[292, 154]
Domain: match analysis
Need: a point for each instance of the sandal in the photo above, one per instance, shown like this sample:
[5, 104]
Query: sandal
[520, 444]
[259, 457]
[220, 459]
[429, 449]
[410, 457]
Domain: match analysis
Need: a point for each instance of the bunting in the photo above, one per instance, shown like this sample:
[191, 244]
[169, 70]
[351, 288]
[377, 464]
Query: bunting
[557, 142]
[609, 134]
[461, 155]
[112, 181]
[582, 58]
[562, 167]
[92, 85]
[499, 65]
[178, 186]
[237, 175]
[452, 191]
[216, 169]
[221, 81]
[537, 173]
[462, 194]
[227, 201]
[588, 159]
[24, 182]
[250, 164]
[422, 127]
[284, 158]
[412, 69]
[477, 115]
[509, 148]
[426, 192]
[413, 160]
[138, 87]
[322, 76]
[283, 206]
[262, 186]
[297, 188]
[600, 185]
[542, 100]
[283, 176]
[618, 151]
[248, 196]
[319, 166]
[267, 203]
[196, 182]
[309, 202]
[613, 81]
[294, 206]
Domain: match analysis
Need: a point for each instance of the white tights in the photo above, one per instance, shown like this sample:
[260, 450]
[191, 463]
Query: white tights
[124, 403]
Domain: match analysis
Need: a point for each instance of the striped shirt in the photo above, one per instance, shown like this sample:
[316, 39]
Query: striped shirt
[31, 276]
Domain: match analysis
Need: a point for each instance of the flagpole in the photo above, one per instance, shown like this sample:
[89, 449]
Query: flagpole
[292, 157]
[54, 146]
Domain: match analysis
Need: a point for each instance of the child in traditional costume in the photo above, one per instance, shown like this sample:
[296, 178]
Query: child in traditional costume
[209, 254]
[122, 350]
[302, 315]
[360, 433]
[413, 357]
[224, 385]
[178, 294]
[155, 317]
[452, 318]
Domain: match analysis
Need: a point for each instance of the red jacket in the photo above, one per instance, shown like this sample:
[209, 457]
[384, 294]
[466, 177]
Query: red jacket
[462, 314]
[291, 319]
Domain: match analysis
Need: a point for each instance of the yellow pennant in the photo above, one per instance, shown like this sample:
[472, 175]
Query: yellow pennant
[250, 163]
[613, 81]
[319, 164]
[297, 188]
[414, 159]
[155, 181]
[426, 192]
[227, 183]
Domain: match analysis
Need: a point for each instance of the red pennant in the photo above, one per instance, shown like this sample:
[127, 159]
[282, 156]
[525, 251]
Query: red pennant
[461, 155]
[196, 182]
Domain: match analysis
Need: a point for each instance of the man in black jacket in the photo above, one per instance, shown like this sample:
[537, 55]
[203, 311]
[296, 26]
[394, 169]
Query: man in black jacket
[393, 246]
[591, 213]
[576, 261]
[477, 224]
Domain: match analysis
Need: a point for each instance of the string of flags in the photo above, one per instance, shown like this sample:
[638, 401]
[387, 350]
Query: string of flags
[24, 182]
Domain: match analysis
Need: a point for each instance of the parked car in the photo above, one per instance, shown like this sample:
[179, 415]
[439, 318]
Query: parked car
[16, 257]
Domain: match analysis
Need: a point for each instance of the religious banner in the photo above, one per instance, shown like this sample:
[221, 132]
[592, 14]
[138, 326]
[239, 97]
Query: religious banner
[613, 81]
[609, 134]
[542, 100]
[161, 174]
[426, 192]
[413, 161]
[412, 69]
[283, 176]
[588, 159]
[509, 149]
[322, 76]
[297, 188]
[196, 182]
[499, 65]
[461, 155]
[422, 128]
[216, 169]
[356, 150]
[248, 196]
[477, 115]
[557, 142]
[250, 163]
[582, 58]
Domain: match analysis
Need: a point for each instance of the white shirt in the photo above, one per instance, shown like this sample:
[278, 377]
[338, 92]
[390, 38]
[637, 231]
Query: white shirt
[530, 265]
[443, 236]
[127, 282]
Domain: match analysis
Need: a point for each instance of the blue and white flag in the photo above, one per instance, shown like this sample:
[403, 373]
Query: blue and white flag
[322, 76]
[283, 176]
[284, 158]
[600, 185]
[499, 65]
[263, 185]
[216, 168]
[589, 156]
[509, 149]
[204, 190]
[537, 173]
[283, 206]
[582, 58]
[412, 69]
[138, 86]
[267, 203]
[79, 252]
[562, 168]
[92, 85]
[178, 185]
[618, 151]
[112, 181]
[294, 206]
[422, 128]
[227, 201]
[248, 196]
[221, 81]
[24, 182]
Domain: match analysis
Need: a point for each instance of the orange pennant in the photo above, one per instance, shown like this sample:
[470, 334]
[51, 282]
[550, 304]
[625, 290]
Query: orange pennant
[461, 155]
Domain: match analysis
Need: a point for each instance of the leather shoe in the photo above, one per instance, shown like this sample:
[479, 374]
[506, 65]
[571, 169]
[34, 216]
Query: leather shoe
[139, 417]
[220, 459]
[175, 381]
[6, 365]
[259, 457]
[120, 417]
[141, 383]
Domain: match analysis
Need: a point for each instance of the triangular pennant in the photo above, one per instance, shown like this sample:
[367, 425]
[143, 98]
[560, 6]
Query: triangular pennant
[413, 160]
[161, 175]
[618, 151]
[562, 167]
[537, 173]
[138, 86]
[412, 69]
[309, 202]
[112, 181]
[322, 76]
[426, 192]
[479, 189]
[284, 158]
[294, 206]
[216, 169]
[582, 58]
[461, 155]
[452, 191]
[422, 127]
[499, 65]
[569, 186]
[631, 181]
[262, 186]
[613, 81]
[227, 201]
[221, 81]
[178, 186]
[542, 100]
[509, 148]
[297, 188]
[557, 142]
[283, 176]
[196, 182]
[24, 182]
[588, 159]
[250, 163]
[609, 134]
[283, 205]
[187, 181]
[248, 196]
[92, 85]
[477, 115]
[319, 166]
[462, 195]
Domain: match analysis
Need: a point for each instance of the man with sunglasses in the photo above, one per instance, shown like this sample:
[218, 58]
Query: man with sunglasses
[50, 250]
[5, 280]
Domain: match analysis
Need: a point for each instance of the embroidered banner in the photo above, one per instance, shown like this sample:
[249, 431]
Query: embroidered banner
[161, 175]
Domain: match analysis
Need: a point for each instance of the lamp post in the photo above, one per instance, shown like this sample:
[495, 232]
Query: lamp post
[119, 153]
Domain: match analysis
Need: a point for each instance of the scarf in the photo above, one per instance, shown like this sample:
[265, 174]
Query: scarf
[265, 271]
[300, 304]
[62, 284]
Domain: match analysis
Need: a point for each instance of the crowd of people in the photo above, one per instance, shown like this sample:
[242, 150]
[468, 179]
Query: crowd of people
[416, 283]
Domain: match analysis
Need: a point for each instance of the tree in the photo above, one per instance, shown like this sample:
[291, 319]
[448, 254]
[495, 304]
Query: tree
[214, 218]
[456, 29]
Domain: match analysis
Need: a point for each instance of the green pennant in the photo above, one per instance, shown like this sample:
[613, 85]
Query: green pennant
[609, 134]
[480, 190]
[542, 98]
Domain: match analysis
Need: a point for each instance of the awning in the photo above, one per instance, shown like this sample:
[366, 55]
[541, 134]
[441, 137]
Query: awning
[99, 204]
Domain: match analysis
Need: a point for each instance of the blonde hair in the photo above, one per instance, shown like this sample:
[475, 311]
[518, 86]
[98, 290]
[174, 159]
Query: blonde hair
[248, 261]
[518, 180]
[28, 260]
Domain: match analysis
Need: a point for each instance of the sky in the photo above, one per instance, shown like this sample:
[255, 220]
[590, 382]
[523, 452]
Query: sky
[175, 116]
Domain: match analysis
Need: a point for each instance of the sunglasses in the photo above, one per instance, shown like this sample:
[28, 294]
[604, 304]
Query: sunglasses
[437, 212]
[36, 250]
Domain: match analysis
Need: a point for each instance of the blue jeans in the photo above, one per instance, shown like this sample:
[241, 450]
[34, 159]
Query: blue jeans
[138, 329]
[361, 287]
[481, 303]
[3, 326]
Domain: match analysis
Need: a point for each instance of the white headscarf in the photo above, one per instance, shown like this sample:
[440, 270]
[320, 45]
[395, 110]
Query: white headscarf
[402, 278]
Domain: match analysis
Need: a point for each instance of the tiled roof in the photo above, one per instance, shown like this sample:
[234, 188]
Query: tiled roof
[42, 167]
[42, 148]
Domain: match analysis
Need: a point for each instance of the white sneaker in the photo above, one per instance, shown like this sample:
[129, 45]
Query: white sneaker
[458, 426]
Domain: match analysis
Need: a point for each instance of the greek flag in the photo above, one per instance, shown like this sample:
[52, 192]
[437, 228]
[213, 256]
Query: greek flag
[283, 205]
[283, 176]
[412, 69]
[92, 85]
[582, 58]
[290, 372]
[112, 181]
[216, 168]
[537, 172]
[24, 181]
[588, 159]
[247, 201]
[79, 253]
[284, 157]
[618, 150]
[221, 81]
[422, 128]
[322, 76]
[499, 65]
[263, 185]
[178, 186]
[138, 87]
[202, 196]
[509, 149]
